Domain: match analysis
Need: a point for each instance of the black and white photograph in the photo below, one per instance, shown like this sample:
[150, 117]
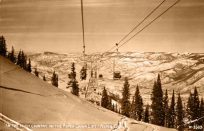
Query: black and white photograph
[101, 65]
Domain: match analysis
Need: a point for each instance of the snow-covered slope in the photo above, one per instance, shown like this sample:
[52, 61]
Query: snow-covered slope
[181, 72]
[26, 99]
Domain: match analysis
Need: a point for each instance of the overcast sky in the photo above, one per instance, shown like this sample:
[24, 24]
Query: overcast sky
[55, 25]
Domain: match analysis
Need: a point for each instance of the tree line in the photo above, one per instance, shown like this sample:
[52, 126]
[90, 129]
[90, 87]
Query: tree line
[25, 63]
[163, 111]
[20, 60]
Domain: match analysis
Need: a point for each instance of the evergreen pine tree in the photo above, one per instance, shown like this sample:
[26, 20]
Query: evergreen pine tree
[73, 82]
[125, 103]
[132, 108]
[19, 58]
[75, 88]
[146, 114]
[83, 73]
[172, 112]
[138, 105]
[201, 112]
[104, 99]
[116, 108]
[24, 61]
[179, 113]
[193, 108]
[3, 49]
[157, 103]
[113, 108]
[196, 104]
[110, 106]
[11, 55]
[193, 105]
[166, 109]
[189, 108]
[72, 75]
[29, 69]
[54, 79]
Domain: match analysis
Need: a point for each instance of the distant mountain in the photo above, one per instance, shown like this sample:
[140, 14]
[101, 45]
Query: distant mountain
[179, 72]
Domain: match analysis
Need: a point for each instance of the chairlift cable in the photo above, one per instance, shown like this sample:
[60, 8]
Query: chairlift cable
[136, 26]
[149, 23]
[142, 21]
[82, 18]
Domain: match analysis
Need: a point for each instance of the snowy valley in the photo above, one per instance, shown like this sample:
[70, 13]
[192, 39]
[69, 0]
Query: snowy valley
[179, 72]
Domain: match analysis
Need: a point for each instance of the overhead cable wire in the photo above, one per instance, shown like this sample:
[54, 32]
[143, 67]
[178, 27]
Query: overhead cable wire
[142, 21]
[158, 6]
[149, 23]
[119, 46]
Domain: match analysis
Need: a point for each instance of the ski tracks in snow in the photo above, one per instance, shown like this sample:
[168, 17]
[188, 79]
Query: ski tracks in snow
[13, 124]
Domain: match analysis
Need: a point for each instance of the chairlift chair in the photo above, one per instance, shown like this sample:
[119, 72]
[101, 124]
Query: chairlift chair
[116, 75]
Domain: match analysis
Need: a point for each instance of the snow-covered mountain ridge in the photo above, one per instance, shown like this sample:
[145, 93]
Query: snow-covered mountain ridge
[181, 72]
